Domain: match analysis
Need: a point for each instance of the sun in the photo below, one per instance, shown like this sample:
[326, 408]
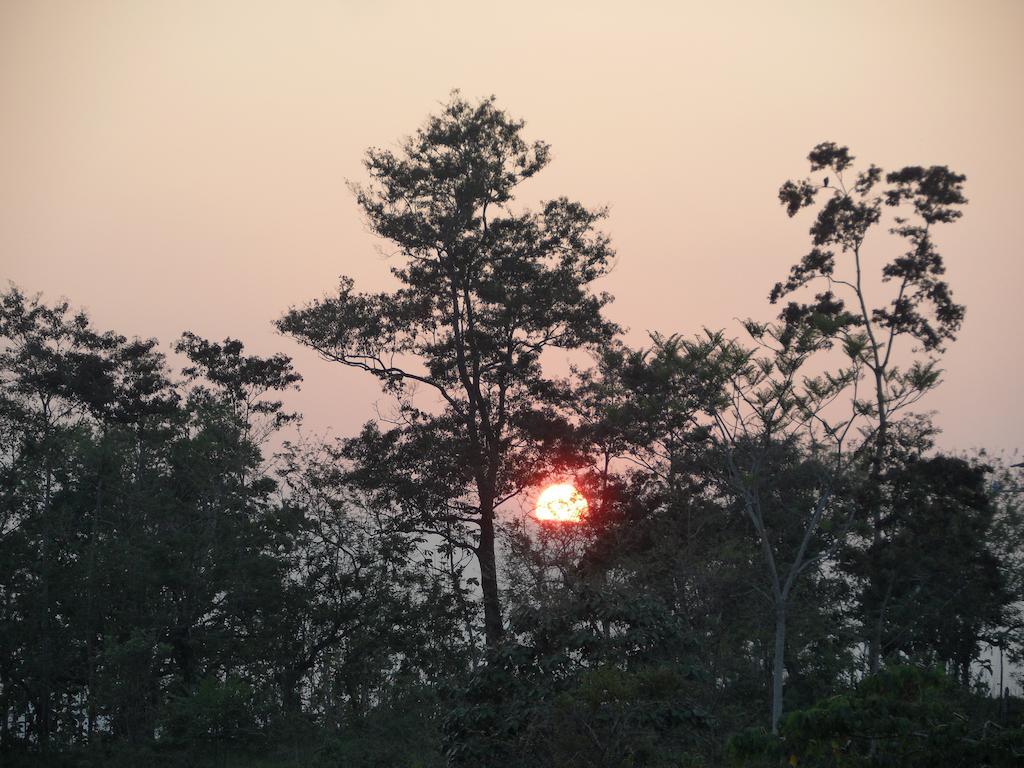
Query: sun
[561, 503]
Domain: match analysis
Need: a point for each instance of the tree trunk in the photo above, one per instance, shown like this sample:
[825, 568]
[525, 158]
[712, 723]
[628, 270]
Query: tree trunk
[93, 625]
[779, 664]
[287, 680]
[42, 719]
[875, 640]
[493, 629]
[5, 707]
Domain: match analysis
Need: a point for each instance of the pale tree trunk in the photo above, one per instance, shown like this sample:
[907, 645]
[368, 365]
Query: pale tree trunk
[879, 369]
[782, 588]
[779, 664]
[875, 640]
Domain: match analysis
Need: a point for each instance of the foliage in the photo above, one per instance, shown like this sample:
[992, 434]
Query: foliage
[903, 716]
[944, 593]
[529, 709]
[162, 586]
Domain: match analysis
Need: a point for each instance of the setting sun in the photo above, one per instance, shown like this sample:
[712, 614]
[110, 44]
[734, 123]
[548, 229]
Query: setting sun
[561, 503]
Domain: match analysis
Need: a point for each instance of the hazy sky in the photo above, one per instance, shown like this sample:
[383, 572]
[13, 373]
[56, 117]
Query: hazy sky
[181, 165]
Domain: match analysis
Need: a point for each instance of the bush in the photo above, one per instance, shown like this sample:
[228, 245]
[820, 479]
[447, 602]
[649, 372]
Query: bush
[220, 717]
[903, 716]
[525, 711]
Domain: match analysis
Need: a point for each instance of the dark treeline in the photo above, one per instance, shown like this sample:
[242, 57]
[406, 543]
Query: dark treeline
[777, 568]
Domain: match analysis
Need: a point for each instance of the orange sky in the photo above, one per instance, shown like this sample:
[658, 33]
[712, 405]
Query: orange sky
[181, 165]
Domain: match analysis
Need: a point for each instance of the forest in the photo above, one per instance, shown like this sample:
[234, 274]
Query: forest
[777, 565]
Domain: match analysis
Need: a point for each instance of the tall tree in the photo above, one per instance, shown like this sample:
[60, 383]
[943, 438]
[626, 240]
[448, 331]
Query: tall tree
[216, 544]
[921, 308]
[773, 450]
[83, 414]
[712, 428]
[485, 291]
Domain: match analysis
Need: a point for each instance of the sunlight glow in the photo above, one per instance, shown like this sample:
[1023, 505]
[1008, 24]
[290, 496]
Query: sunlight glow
[561, 503]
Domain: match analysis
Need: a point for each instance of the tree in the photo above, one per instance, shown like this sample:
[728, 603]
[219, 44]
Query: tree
[484, 292]
[748, 429]
[59, 378]
[360, 603]
[1006, 541]
[946, 595]
[921, 310]
[775, 453]
[215, 543]
[134, 557]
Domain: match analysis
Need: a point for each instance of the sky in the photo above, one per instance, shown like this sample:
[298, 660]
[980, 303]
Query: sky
[181, 164]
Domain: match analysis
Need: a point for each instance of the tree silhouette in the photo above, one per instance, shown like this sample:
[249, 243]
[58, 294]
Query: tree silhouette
[484, 292]
[921, 310]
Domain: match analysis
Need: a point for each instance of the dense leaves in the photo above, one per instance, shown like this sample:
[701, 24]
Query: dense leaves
[904, 716]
